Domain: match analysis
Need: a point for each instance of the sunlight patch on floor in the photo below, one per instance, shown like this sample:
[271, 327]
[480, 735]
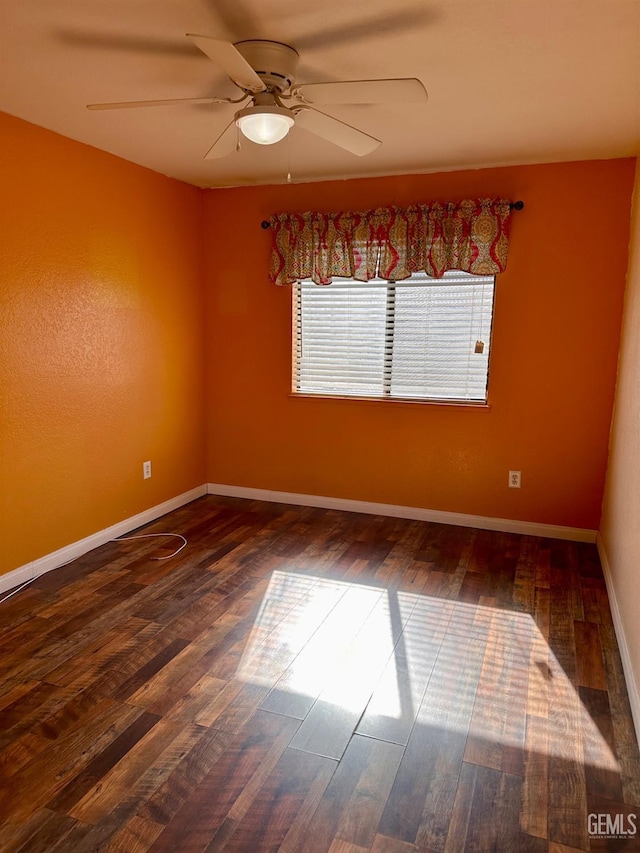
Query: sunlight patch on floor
[315, 636]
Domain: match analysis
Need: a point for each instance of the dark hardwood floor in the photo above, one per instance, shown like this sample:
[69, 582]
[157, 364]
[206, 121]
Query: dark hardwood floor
[305, 680]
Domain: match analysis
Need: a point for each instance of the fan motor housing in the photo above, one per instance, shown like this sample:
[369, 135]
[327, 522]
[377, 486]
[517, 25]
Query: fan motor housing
[273, 62]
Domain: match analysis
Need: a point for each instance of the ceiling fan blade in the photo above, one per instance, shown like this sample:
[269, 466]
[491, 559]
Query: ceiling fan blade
[225, 144]
[333, 130]
[225, 55]
[236, 17]
[378, 27]
[408, 90]
[171, 102]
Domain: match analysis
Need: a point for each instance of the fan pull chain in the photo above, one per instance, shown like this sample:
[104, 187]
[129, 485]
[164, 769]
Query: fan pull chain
[289, 158]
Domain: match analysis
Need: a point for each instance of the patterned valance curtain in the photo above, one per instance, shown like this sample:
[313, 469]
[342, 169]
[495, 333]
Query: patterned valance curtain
[391, 243]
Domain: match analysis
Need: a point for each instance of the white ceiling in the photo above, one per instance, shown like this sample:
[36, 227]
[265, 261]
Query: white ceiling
[509, 81]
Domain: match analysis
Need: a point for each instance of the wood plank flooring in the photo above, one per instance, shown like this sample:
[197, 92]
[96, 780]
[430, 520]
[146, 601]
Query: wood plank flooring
[311, 681]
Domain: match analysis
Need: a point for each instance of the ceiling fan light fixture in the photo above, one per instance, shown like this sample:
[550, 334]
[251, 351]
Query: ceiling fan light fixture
[265, 125]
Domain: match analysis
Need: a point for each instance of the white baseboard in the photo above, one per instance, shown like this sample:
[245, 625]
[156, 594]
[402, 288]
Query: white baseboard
[629, 675]
[506, 525]
[77, 549]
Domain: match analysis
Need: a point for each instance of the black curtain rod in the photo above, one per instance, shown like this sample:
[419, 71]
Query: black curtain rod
[515, 205]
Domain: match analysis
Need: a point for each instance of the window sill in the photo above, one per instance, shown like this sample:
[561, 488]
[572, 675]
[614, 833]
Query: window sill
[395, 401]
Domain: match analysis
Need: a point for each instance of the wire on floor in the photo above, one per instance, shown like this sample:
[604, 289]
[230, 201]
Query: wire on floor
[151, 536]
[119, 539]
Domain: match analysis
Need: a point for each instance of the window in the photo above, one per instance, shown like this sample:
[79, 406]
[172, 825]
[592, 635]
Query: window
[421, 338]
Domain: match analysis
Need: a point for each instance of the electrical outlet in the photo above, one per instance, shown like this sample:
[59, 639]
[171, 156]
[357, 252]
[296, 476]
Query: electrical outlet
[514, 479]
[146, 469]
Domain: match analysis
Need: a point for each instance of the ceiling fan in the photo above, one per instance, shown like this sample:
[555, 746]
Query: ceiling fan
[264, 71]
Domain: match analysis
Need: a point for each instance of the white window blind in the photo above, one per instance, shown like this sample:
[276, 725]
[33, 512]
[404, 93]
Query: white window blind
[420, 338]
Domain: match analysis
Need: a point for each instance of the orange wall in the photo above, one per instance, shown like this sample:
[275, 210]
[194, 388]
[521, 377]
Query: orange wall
[102, 352]
[556, 331]
[101, 341]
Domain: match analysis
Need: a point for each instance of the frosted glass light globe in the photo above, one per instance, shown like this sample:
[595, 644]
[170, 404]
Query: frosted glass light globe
[265, 125]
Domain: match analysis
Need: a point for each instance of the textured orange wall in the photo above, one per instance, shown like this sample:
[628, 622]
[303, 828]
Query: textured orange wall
[556, 332]
[101, 341]
[102, 349]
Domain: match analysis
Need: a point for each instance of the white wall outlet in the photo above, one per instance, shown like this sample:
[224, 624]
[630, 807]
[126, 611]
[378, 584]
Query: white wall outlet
[146, 469]
[514, 479]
